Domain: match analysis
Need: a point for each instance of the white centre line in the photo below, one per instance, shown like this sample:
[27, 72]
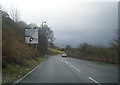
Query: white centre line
[62, 60]
[71, 65]
[75, 68]
[66, 62]
[94, 80]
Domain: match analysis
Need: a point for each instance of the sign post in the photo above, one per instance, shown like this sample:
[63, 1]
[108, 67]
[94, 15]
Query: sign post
[31, 37]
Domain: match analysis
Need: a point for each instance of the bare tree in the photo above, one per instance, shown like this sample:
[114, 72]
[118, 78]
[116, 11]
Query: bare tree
[116, 39]
[1, 4]
[32, 25]
[15, 15]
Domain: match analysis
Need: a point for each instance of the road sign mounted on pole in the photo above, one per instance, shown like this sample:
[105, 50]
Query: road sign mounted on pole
[31, 36]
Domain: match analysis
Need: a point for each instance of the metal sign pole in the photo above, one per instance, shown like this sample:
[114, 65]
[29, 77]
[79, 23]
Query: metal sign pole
[31, 37]
[36, 46]
[36, 50]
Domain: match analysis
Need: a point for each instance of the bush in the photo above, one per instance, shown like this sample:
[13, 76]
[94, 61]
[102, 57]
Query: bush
[94, 53]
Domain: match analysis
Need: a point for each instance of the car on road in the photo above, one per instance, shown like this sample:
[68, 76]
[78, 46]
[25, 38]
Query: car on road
[64, 55]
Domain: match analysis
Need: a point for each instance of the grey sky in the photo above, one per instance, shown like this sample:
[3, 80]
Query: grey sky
[72, 21]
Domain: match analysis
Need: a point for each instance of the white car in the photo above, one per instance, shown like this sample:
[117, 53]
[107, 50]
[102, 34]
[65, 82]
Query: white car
[64, 55]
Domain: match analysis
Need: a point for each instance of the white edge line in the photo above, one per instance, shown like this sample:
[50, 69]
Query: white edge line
[28, 73]
[94, 80]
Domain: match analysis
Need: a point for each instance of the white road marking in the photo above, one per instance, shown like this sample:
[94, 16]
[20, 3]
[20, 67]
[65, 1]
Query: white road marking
[70, 65]
[66, 62]
[59, 58]
[94, 80]
[29, 72]
[75, 68]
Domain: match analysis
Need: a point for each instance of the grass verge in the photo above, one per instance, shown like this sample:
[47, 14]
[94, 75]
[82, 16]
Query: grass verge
[13, 72]
[55, 50]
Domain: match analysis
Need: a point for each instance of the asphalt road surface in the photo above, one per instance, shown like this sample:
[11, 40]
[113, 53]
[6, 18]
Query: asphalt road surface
[56, 69]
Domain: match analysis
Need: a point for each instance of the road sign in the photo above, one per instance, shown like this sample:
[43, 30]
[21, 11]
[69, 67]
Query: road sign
[31, 36]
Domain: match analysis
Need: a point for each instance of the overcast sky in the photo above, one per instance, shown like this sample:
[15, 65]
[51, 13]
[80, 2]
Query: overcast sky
[72, 21]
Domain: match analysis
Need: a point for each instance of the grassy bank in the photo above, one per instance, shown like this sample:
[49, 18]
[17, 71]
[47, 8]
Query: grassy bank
[13, 72]
[55, 51]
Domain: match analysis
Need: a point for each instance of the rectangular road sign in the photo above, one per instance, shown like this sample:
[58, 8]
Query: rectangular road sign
[31, 36]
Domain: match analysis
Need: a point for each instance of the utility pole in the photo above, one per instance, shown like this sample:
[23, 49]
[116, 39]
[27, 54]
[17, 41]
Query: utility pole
[42, 26]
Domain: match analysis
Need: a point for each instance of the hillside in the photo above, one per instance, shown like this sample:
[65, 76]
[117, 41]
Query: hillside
[14, 50]
[17, 57]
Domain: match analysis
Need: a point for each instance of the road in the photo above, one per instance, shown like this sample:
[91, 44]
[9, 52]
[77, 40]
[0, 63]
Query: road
[56, 69]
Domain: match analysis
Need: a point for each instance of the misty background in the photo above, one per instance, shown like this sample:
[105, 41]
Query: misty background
[72, 21]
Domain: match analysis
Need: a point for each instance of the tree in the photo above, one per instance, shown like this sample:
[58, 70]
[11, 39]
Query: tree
[5, 14]
[0, 5]
[45, 36]
[32, 25]
[83, 46]
[116, 40]
[116, 43]
[15, 15]
[68, 47]
[22, 24]
[51, 45]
